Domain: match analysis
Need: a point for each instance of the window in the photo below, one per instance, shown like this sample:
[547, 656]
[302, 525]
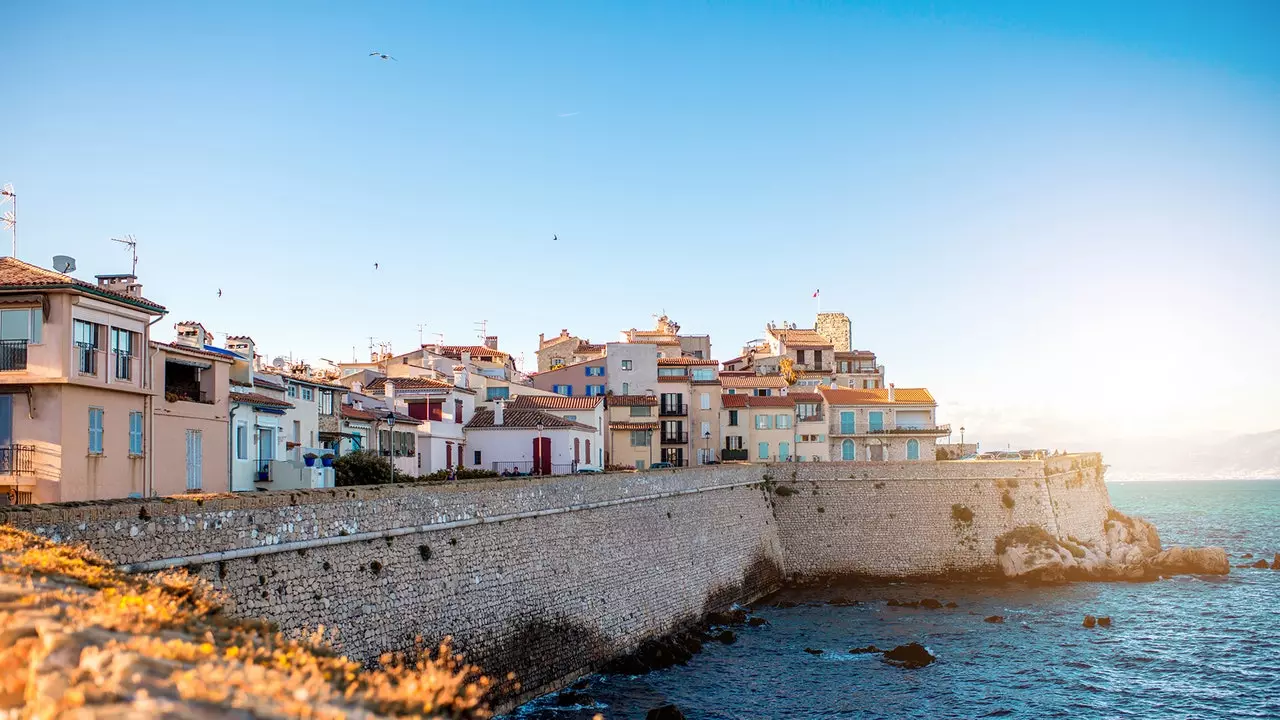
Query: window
[847, 451]
[595, 371]
[762, 422]
[562, 390]
[784, 451]
[135, 433]
[497, 393]
[733, 417]
[799, 357]
[846, 423]
[95, 431]
[875, 421]
[557, 363]
[763, 451]
[475, 456]
[640, 438]
[266, 443]
[626, 388]
[671, 372]
[704, 374]
[242, 441]
[308, 393]
[782, 422]
[706, 429]
[457, 412]
[733, 442]
[763, 392]
[292, 391]
[913, 449]
[639, 464]
[26, 325]
[571, 418]
[805, 411]
[86, 338]
[435, 410]
[326, 402]
[808, 438]
[595, 390]
[626, 364]
[817, 357]
[641, 411]
[704, 401]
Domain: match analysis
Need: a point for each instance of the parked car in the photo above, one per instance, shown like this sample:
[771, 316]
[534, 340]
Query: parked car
[661, 466]
[590, 469]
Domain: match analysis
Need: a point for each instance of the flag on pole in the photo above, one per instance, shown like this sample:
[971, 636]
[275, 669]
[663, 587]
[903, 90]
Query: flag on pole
[815, 293]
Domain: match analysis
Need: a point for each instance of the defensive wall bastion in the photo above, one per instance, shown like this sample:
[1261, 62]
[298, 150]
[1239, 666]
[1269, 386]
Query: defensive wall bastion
[550, 578]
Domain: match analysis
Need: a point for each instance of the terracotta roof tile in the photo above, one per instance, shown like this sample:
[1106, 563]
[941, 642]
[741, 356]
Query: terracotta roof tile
[629, 400]
[750, 401]
[408, 383]
[633, 426]
[805, 397]
[267, 381]
[524, 419]
[686, 361]
[15, 273]
[752, 381]
[555, 402]
[455, 351]
[855, 354]
[877, 396]
[194, 351]
[380, 413]
[259, 399]
[801, 337]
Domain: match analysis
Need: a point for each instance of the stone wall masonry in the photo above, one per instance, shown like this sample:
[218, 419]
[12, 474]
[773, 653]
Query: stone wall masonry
[550, 578]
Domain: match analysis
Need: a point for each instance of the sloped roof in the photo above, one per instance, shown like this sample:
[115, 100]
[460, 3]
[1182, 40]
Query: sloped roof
[555, 402]
[686, 361]
[259, 399]
[194, 351]
[750, 401]
[523, 419]
[408, 383]
[628, 400]
[16, 274]
[801, 337]
[805, 397]
[267, 381]
[877, 396]
[752, 381]
[455, 351]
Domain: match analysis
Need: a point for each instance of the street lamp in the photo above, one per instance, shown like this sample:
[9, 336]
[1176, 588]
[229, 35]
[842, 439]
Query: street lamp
[961, 438]
[391, 438]
[538, 465]
[650, 431]
[706, 437]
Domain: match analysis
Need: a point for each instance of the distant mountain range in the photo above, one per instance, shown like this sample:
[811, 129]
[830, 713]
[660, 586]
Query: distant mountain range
[1237, 457]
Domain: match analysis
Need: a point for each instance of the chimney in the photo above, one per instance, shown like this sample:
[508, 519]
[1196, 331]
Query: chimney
[491, 342]
[497, 413]
[890, 392]
[191, 334]
[466, 357]
[542, 339]
[389, 391]
[460, 376]
[123, 283]
[357, 386]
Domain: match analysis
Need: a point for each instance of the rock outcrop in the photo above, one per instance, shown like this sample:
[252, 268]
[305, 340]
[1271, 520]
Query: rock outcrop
[1129, 549]
[911, 656]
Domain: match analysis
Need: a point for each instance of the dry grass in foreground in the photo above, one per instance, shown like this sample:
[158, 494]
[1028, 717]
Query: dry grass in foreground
[79, 639]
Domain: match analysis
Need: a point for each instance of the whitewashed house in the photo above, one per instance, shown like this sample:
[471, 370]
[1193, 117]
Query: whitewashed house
[586, 410]
[508, 440]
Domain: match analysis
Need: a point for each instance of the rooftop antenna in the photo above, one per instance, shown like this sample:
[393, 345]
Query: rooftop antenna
[421, 327]
[130, 242]
[10, 217]
[482, 328]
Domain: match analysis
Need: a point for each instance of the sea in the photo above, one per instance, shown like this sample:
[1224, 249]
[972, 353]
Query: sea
[1185, 647]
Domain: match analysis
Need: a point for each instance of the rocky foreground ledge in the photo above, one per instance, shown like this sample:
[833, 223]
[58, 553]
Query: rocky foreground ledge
[1129, 549]
[79, 639]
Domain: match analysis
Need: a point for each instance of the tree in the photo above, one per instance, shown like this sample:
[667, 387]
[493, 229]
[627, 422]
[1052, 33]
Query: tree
[364, 467]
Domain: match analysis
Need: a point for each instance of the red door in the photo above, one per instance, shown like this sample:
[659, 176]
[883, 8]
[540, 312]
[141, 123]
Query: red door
[448, 454]
[542, 456]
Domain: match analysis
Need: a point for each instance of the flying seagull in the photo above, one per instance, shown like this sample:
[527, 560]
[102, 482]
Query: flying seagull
[375, 266]
[555, 237]
[381, 56]
[219, 292]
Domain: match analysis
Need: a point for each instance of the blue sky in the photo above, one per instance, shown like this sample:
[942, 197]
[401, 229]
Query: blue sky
[1061, 218]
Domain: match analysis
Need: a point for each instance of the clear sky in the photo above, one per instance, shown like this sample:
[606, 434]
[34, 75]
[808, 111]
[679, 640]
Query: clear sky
[1062, 218]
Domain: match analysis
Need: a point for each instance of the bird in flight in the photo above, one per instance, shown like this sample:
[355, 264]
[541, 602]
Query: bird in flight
[381, 56]
[219, 292]
[555, 237]
[375, 266]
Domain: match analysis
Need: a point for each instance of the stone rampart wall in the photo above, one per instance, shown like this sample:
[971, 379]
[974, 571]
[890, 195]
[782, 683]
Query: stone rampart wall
[550, 578]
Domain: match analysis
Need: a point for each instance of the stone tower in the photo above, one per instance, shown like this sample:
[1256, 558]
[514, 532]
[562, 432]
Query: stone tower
[836, 327]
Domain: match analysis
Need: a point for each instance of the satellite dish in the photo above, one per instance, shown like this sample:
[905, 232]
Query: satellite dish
[64, 263]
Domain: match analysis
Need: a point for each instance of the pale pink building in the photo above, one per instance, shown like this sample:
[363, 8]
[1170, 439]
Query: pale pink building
[190, 449]
[75, 386]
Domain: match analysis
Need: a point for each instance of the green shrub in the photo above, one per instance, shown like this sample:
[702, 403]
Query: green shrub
[365, 468]
[464, 473]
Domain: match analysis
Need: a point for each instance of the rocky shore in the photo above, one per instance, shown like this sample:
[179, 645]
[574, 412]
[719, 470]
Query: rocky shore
[1128, 550]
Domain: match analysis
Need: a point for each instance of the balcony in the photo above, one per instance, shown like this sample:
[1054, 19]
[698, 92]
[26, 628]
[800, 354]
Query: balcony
[18, 460]
[673, 410]
[811, 418]
[727, 455]
[13, 354]
[893, 429]
[87, 359]
[185, 392]
[675, 438]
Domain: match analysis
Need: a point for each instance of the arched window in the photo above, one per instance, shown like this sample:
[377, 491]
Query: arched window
[846, 451]
[913, 449]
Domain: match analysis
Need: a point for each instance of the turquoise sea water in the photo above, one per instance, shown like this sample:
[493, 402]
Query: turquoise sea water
[1187, 647]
